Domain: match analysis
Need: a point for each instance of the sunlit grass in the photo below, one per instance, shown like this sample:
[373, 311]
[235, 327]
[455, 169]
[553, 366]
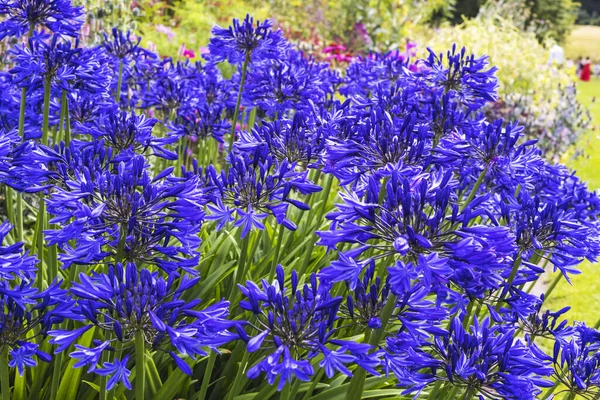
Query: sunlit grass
[584, 295]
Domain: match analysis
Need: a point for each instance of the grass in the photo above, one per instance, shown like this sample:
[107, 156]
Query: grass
[584, 41]
[584, 295]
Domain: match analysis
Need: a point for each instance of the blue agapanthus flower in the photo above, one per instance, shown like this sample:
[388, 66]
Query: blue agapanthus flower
[14, 262]
[576, 361]
[125, 213]
[482, 360]
[25, 314]
[174, 87]
[377, 143]
[121, 44]
[59, 16]
[126, 301]
[419, 220]
[299, 140]
[253, 188]
[295, 325]
[244, 39]
[463, 78]
[542, 229]
[201, 122]
[287, 84]
[67, 67]
[128, 134]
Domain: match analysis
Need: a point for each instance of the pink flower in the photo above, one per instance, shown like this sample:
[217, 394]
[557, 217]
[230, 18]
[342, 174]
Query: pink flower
[151, 46]
[165, 30]
[185, 52]
[204, 50]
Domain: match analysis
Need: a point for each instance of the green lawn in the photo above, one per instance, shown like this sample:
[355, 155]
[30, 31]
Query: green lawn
[584, 295]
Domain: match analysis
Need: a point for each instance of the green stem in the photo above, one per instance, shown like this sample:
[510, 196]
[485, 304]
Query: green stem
[511, 278]
[552, 286]
[281, 230]
[476, 187]
[22, 111]
[19, 219]
[56, 371]
[121, 246]
[207, 374]
[67, 123]
[241, 270]
[241, 373]
[550, 391]
[4, 371]
[357, 383]
[434, 392]
[45, 123]
[104, 378]
[236, 111]
[140, 365]
[61, 123]
[41, 225]
[119, 82]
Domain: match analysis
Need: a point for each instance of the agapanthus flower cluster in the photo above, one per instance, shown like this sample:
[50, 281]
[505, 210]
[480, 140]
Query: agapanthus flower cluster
[484, 360]
[27, 313]
[296, 323]
[127, 302]
[59, 16]
[418, 233]
[254, 188]
[125, 213]
[245, 40]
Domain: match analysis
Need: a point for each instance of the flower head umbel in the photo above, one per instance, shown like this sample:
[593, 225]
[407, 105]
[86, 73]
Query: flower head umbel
[125, 213]
[299, 140]
[483, 360]
[59, 16]
[296, 325]
[127, 301]
[254, 188]
[244, 39]
[129, 134]
[292, 83]
[576, 361]
[26, 313]
[14, 263]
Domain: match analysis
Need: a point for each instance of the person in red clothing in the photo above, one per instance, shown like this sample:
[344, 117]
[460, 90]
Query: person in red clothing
[586, 70]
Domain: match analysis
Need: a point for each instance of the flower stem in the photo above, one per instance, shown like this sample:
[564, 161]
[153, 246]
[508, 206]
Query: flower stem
[357, 383]
[45, 123]
[140, 365]
[511, 278]
[241, 373]
[119, 82]
[19, 218]
[121, 246]
[475, 188]
[56, 372]
[241, 270]
[4, 379]
[281, 231]
[207, 374]
[236, 111]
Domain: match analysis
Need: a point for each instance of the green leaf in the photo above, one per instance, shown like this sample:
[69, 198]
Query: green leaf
[93, 386]
[172, 385]
[69, 384]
